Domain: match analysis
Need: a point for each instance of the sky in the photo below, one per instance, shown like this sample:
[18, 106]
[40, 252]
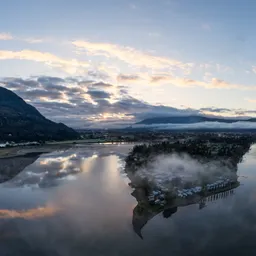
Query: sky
[114, 62]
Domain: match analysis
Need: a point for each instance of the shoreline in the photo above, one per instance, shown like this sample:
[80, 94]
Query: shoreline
[48, 147]
[22, 151]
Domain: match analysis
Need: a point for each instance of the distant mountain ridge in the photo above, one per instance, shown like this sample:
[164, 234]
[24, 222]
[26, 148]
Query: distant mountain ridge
[20, 121]
[190, 120]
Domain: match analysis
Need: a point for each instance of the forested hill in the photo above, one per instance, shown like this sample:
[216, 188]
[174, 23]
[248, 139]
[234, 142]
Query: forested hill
[20, 121]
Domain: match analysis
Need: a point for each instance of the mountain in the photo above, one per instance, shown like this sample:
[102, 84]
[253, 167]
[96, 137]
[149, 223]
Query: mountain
[190, 120]
[20, 121]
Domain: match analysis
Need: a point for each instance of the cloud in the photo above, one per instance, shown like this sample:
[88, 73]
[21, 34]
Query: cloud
[70, 66]
[50, 80]
[127, 78]
[214, 83]
[87, 103]
[221, 112]
[99, 94]
[5, 36]
[39, 89]
[228, 113]
[34, 213]
[218, 83]
[149, 111]
[102, 85]
[207, 76]
[161, 78]
[80, 102]
[167, 78]
[251, 100]
[31, 40]
[130, 56]
[34, 40]
[215, 67]
[56, 95]
[216, 110]
[159, 69]
[245, 113]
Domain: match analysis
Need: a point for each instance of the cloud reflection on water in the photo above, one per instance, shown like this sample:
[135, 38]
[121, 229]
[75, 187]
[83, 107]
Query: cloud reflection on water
[60, 163]
[40, 212]
[59, 166]
[93, 215]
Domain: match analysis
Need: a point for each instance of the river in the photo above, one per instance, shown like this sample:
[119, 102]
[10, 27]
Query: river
[78, 202]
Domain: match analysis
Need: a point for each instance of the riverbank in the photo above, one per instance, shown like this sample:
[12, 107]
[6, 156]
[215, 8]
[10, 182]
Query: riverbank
[23, 151]
[48, 147]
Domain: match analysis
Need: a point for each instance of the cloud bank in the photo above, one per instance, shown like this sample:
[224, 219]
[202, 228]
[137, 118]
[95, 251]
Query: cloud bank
[82, 103]
[85, 102]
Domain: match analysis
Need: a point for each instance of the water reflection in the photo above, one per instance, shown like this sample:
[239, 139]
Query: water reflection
[54, 167]
[60, 163]
[88, 163]
[35, 213]
[11, 166]
[93, 213]
[58, 166]
[144, 212]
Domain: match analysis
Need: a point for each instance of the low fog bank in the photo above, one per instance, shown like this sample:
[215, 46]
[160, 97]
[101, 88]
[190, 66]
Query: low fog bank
[167, 171]
[202, 125]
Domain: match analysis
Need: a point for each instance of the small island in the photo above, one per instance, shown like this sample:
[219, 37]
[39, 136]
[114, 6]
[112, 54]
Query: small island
[230, 148]
[216, 156]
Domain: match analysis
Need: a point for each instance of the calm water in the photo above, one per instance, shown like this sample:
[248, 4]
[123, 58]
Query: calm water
[78, 202]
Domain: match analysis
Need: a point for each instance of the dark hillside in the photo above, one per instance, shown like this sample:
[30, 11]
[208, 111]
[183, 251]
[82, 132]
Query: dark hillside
[20, 121]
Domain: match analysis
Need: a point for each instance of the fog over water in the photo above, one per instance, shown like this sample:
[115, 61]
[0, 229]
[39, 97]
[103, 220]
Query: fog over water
[78, 202]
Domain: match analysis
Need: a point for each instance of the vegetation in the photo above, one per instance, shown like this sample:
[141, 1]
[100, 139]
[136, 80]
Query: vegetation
[214, 147]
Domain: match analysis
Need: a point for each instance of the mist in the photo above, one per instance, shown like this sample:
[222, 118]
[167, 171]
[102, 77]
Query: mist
[166, 171]
[201, 125]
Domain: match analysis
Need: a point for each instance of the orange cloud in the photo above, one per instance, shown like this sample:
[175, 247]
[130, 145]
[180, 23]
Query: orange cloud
[35, 213]
[251, 100]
